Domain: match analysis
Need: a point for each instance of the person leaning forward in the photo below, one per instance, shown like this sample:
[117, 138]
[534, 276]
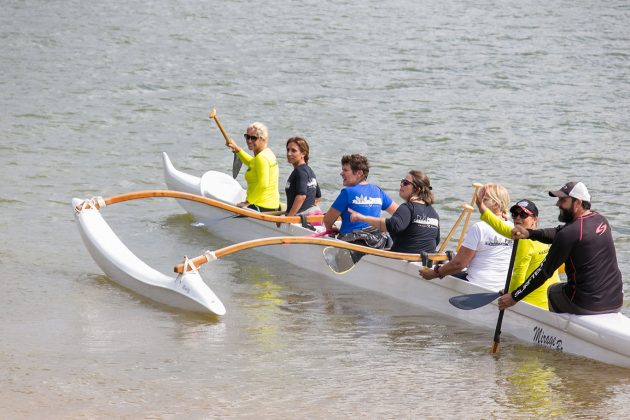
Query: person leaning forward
[585, 244]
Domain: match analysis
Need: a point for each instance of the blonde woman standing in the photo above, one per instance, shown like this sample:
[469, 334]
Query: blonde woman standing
[484, 252]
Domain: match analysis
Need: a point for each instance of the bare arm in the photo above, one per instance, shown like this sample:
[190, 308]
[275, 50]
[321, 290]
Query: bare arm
[392, 208]
[297, 204]
[457, 264]
[330, 217]
[377, 222]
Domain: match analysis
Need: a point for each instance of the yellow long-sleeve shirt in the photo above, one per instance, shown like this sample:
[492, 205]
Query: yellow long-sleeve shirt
[529, 256]
[262, 178]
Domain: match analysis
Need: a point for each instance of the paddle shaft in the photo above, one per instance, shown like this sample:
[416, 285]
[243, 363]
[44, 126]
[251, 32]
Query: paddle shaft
[467, 211]
[213, 116]
[305, 240]
[497, 330]
[236, 164]
[476, 187]
[317, 218]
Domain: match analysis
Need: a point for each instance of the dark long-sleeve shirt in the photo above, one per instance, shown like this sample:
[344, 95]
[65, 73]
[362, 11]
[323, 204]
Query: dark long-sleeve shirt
[586, 247]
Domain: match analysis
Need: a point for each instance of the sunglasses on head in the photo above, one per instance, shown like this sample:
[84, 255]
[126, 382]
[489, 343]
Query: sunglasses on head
[405, 182]
[248, 137]
[520, 214]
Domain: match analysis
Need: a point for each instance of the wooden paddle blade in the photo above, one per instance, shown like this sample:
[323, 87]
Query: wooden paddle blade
[473, 301]
[236, 166]
[341, 260]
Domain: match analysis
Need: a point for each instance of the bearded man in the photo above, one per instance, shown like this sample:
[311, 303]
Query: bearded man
[585, 245]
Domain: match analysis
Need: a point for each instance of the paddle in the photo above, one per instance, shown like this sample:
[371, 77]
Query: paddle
[100, 202]
[467, 211]
[497, 330]
[473, 301]
[236, 163]
[476, 187]
[477, 300]
[341, 260]
[308, 240]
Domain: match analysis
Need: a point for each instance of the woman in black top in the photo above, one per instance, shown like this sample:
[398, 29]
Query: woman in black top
[303, 194]
[415, 226]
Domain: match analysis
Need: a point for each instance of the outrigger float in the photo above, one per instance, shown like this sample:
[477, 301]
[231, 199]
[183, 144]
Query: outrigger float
[185, 291]
[210, 200]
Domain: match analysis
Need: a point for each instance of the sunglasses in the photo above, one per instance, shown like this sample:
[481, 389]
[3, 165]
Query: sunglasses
[248, 137]
[520, 214]
[405, 182]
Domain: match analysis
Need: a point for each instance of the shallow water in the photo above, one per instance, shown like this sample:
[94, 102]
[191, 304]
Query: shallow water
[530, 95]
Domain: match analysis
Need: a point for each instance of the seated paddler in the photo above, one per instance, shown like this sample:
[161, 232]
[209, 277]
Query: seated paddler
[302, 190]
[529, 254]
[484, 256]
[415, 225]
[262, 170]
[362, 197]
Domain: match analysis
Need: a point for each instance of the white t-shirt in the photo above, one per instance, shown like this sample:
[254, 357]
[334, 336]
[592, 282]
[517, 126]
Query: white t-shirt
[489, 266]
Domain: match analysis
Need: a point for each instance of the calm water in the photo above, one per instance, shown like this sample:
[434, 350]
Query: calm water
[528, 94]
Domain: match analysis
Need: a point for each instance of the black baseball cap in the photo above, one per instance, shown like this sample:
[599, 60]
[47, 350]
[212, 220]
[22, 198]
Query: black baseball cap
[527, 206]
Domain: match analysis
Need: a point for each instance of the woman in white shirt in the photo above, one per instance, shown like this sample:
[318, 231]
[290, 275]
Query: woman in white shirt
[484, 253]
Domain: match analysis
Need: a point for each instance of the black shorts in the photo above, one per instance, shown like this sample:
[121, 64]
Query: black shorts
[559, 302]
[261, 209]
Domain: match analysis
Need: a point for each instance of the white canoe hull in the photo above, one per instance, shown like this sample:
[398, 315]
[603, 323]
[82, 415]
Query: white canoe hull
[187, 292]
[600, 337]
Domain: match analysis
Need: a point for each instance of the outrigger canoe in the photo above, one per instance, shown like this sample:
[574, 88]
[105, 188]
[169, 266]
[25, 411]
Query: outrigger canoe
[605, 338]
[185, 291]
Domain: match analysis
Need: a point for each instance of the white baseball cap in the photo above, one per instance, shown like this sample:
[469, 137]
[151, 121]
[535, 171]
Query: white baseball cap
[572, 189]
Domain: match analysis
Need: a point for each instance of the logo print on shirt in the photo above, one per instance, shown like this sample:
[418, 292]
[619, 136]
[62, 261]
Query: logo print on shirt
[426, 221]
[601, 229]
[369, 201]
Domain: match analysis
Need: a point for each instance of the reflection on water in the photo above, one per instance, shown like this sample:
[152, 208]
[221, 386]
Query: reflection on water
[263, 309]
[543, 383]
[532, 386]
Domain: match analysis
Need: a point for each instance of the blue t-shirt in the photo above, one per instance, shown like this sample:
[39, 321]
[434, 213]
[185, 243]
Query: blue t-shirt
[366, 199]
